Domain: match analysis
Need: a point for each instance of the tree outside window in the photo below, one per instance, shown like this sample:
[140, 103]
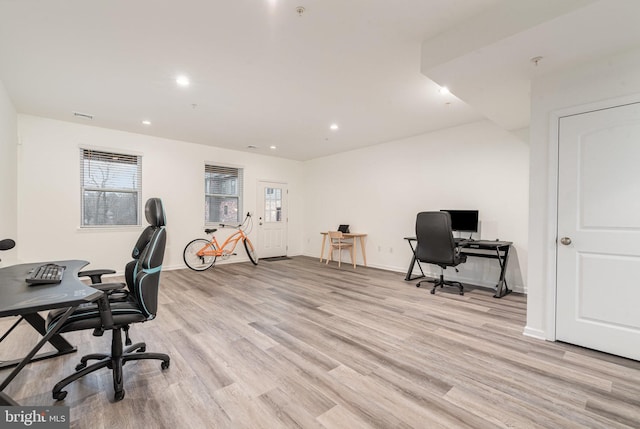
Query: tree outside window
[111, 188]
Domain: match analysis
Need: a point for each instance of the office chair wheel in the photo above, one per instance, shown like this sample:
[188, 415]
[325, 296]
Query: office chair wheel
[164, 365]
[119, 396]
[433, 291]
[59, 396]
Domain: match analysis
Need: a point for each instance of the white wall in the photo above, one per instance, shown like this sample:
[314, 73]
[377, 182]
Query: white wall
[8, 176]
[49, 191]
[380, 189]
[600, 82]
[377, 190]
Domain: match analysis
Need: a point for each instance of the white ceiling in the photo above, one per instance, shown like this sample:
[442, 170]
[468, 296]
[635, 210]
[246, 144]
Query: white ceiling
[263, 75]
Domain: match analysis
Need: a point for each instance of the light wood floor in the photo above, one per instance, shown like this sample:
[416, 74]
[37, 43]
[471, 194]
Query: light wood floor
[298, 344]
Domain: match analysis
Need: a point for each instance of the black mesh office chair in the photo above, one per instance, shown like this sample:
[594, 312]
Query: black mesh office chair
[437, 246]
[123, 304]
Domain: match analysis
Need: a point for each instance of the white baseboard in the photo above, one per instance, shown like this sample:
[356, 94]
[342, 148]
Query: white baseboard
[534, 333]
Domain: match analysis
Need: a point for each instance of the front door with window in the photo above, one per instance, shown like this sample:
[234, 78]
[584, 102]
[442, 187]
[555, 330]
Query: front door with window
[272, 219]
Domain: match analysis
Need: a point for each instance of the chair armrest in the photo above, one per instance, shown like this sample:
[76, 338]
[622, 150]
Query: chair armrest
[109, 287]
[114, 291]
[462, 243]
[105, 313]
[459, 246]
[95, 275]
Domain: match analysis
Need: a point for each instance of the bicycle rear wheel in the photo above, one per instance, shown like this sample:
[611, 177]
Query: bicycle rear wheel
[199, 262]
[251, 251]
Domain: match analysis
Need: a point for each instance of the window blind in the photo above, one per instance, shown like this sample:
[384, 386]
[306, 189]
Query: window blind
[223, 193]
[111, 188]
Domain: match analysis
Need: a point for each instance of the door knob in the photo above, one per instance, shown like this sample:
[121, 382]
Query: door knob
[565, 240]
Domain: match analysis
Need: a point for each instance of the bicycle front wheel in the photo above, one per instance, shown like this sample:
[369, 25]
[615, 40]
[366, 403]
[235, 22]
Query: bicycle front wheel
[251, 251]
[198, 254]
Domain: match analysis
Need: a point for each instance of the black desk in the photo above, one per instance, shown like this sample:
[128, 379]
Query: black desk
[479, 248]
[17, 298]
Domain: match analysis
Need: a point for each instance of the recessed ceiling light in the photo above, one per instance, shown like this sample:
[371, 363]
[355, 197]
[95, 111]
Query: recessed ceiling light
[146, 122]
[182, 80]
[334, 127]
[252, 147]
[444, 90]
[272, 147]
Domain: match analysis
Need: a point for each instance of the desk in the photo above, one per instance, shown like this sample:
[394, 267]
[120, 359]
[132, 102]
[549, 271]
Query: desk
[481, 249]
[355, 235]
[17, 298]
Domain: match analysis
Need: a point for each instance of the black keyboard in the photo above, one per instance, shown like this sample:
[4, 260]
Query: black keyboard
[45, 274]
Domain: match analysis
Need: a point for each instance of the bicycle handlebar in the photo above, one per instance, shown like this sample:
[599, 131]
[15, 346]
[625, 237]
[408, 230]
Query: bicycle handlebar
[224, 225]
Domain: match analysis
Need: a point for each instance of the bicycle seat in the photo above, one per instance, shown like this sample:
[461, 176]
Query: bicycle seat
[210, 230]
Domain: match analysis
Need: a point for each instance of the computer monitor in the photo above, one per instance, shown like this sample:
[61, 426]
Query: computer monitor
[463, 220]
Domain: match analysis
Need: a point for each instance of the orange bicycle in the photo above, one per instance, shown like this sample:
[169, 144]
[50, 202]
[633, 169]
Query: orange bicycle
[201, 253]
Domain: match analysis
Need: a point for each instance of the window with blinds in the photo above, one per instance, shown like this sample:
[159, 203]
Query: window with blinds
[111, 188]
[222, 194]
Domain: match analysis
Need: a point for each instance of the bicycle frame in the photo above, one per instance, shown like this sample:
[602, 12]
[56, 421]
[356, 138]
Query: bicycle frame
[201, 253]
[237, 236]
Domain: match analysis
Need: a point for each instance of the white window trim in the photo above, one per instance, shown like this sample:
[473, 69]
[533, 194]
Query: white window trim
[241, 190]
[111, 228]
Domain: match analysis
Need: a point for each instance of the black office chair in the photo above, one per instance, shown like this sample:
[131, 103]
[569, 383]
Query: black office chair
[437, 246]
[7, 244]
[123, 304]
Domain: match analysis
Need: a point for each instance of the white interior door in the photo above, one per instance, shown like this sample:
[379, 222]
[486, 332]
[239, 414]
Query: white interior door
[598, 265]
[272, 219]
